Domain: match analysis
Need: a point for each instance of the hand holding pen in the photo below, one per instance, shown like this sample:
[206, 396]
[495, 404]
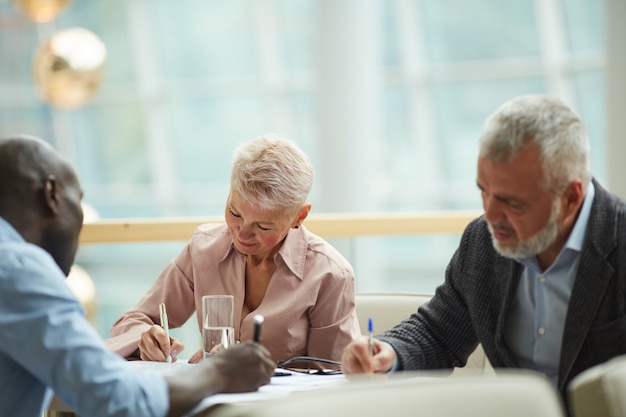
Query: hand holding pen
[367, 355]
[153, 345]
[258, 325]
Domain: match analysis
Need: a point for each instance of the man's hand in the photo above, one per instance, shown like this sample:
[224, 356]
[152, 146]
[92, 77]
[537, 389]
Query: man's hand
[242, 368]
[356, 357]
[153, 345]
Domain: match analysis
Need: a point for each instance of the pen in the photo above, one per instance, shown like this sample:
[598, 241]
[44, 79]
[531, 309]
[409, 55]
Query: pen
[258, 321]
[165, 327]
[370, 331]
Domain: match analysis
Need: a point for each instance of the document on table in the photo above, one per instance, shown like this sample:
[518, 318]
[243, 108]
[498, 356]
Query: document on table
[279, 386]
[164, 368]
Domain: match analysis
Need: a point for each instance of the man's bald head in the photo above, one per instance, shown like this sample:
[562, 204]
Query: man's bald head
[40, 196]
[25, 162]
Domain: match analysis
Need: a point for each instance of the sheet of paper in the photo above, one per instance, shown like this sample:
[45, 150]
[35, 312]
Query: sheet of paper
[280, 386]
[161, 367]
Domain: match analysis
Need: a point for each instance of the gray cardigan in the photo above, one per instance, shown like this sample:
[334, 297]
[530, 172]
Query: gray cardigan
[471, 305]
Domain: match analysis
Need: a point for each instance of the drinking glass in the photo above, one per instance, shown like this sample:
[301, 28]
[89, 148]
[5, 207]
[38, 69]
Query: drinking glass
[218, 332]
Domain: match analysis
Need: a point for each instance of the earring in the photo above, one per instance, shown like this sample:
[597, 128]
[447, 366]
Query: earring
[296, 226]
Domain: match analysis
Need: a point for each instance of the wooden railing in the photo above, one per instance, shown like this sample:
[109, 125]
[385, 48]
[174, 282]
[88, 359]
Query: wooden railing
[329, 225]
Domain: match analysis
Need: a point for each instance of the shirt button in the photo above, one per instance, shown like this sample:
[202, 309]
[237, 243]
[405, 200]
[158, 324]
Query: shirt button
[542, 278]
[541, 331]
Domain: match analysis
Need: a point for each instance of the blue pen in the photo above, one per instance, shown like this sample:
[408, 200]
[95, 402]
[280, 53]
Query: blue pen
[370, 330]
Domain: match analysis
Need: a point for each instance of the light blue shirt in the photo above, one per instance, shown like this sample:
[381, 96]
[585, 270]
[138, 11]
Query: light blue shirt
[47, 344]
[536, 319]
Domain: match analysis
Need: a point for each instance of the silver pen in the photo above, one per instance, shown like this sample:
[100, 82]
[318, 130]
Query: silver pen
[165, 327]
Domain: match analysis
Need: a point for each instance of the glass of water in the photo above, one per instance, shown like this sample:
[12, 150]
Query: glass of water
[218, 332]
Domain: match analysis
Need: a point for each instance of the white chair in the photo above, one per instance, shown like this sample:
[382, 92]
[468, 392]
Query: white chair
[519, 394]
[389, 309]
[600, 391]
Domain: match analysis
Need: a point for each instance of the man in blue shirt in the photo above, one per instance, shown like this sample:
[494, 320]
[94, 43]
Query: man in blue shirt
[46, 344]
[540, 278]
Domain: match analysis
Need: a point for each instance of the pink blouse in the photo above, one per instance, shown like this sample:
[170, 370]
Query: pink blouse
[309, 304]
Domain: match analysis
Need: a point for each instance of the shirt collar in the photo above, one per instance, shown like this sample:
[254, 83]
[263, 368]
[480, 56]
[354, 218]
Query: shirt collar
[577, 237]
[292, 252]
[9, 232]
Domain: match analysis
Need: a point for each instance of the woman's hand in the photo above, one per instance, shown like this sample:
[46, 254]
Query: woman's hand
[197, 357]
[153, 345]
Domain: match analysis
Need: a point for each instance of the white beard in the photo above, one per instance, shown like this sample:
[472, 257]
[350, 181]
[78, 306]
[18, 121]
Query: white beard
[533, 245]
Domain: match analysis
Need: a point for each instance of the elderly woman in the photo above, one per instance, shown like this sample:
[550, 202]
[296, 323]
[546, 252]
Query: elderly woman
[265, 258]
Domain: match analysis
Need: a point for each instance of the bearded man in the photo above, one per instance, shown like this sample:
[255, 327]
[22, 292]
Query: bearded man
[540, 278]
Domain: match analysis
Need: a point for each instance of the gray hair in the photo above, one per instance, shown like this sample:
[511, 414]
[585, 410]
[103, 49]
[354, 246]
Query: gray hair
[551, 124]
[272, 173]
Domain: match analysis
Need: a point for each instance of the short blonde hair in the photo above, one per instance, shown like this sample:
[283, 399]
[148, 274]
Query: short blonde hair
[272, 173]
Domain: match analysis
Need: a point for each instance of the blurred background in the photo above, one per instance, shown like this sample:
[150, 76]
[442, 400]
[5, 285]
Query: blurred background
[387, 97]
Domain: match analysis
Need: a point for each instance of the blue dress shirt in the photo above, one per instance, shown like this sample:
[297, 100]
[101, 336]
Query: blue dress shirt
[47, 344]
[536, 319]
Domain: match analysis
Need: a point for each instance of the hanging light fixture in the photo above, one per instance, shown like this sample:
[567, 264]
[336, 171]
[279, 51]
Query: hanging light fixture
[41, 10]
[69, 67]
[83, 288]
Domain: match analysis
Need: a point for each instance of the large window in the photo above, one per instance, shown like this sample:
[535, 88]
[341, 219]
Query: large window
[187, 81]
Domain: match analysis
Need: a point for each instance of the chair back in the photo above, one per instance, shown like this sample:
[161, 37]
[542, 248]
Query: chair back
[387, 310]
[600, 391]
